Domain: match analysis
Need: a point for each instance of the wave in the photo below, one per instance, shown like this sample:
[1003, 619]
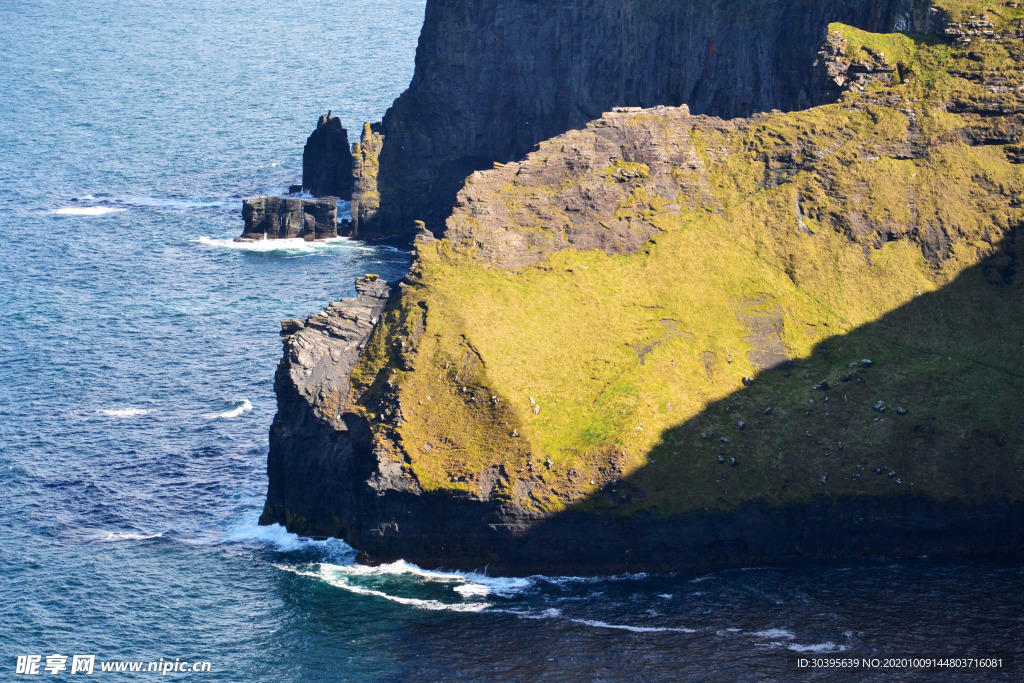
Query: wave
[124, 412]
[285, 541]
[775, 633]
[290, 246]
[470, 583]
[335, 575]
[817, 647]
[635, 629]
[239, 408]
[128, 536]
[86, 210]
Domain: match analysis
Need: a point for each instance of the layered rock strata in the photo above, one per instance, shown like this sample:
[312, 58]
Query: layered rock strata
[273, 218]
[317, 463]
[495, 77]
[669, 341]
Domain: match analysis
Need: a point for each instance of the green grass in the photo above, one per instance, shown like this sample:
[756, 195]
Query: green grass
[588, 367]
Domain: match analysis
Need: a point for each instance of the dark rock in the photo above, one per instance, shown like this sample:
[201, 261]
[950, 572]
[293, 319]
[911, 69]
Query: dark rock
[254, 215]
[321, 218]
[273, 218]
[483, 94]
[290, 326]
[294, 189]
[327, 160]
[291, 218]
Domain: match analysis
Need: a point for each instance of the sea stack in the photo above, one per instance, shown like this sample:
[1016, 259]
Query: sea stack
[327, 160]
[272, 218]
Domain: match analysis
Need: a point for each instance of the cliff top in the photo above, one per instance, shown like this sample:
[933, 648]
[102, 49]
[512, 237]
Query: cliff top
[666, 312]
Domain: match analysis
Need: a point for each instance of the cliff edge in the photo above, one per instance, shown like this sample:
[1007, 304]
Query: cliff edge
[495, 77]
[668, 340]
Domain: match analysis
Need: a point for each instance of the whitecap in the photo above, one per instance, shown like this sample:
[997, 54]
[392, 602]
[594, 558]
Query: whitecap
[283, 540]
[86, 211]
[329, 574]
[563, 581]
[124, 412]
[289, 246]
[635, 629]
[469, 583]
[239, 408]
[817, 647]
[128, 536]
[773, 633]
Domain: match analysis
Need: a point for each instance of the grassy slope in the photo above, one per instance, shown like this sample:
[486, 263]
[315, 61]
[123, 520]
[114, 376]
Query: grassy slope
[540, 369]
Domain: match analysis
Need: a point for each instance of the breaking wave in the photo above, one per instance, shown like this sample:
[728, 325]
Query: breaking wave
[86, 210]
[237, 408]
[124, 412]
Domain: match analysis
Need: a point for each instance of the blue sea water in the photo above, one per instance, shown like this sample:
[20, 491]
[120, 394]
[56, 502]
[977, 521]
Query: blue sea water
[136, 366]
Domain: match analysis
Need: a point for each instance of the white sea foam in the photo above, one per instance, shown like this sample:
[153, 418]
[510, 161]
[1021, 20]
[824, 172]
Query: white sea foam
[775, 633]
[563, 581]
[124, 412]
[86, 210]
[336, 576]
[283, 540]
[241, 407]
[469, 583]
[292, 246]
[817, 647]
[549, 613]
[128, 536]
[635, 629]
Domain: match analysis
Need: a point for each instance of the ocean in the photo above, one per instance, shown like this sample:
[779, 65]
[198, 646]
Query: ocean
[136, 392]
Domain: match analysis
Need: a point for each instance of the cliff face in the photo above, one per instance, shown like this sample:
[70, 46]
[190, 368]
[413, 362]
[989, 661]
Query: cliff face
[668, 340]
[495, 77]
[326, 161]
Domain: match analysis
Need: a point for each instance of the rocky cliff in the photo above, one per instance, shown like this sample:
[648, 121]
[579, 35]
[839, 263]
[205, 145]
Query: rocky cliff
[495, 77]
[668, 340]
[326, 160]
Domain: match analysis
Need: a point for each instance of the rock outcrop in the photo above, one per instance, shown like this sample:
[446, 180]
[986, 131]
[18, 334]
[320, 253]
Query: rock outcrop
[326, 160]
[670, 341]
[318, 456]
[495, 77]
[273, 218]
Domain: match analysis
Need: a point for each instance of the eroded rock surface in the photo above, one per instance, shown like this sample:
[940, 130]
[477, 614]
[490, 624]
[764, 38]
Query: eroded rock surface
[274, 218]
[326, 161]
[493, 78]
